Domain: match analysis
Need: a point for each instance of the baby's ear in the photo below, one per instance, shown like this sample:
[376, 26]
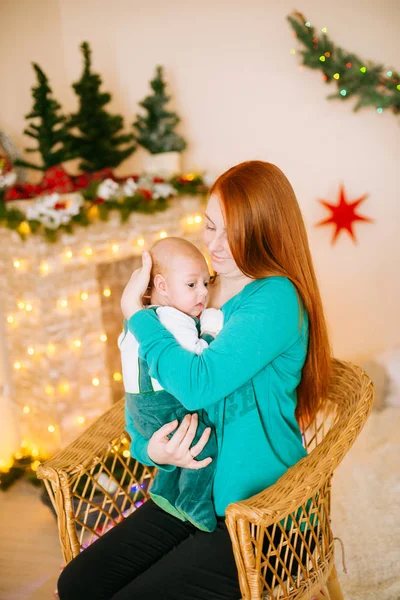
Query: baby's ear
[160, 285]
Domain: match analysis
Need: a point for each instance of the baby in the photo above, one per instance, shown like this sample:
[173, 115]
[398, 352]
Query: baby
[178, 295]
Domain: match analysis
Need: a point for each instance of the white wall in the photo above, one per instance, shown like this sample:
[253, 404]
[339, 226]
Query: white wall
[241, 96]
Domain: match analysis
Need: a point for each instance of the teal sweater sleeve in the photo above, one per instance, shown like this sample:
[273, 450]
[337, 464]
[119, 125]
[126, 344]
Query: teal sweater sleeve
[264, 325]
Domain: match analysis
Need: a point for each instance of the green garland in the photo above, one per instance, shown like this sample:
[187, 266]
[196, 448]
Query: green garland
[24, 465]
[92, 211]
[373, 84]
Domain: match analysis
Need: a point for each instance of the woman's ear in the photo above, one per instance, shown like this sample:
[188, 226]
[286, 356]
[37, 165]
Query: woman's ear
[160, 284]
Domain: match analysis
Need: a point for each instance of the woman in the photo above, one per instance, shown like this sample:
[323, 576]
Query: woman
[266, 372]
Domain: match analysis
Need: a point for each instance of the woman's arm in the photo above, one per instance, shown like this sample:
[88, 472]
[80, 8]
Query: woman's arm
[264, 326]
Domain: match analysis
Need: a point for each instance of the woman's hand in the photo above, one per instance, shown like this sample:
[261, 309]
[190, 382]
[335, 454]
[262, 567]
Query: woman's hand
[177, 451]
[131, 299]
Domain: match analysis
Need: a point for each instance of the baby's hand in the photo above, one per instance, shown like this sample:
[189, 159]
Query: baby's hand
[211, 321]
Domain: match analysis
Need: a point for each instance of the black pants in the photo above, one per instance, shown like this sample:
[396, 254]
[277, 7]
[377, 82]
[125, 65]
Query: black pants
[152, 555]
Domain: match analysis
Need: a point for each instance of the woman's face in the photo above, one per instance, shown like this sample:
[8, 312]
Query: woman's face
[216, 241]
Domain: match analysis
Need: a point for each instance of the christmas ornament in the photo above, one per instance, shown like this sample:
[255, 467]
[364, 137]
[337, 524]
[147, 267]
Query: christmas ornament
[344, 214]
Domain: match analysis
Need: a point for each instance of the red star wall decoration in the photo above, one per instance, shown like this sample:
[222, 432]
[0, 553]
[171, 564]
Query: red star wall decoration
[344, 215]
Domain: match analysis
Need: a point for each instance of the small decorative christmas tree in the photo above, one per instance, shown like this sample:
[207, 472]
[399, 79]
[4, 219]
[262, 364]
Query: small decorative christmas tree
[155, 132]
[49, 126]
[98, 141]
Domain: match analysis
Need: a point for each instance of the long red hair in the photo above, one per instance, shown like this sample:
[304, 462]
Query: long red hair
[267, 236]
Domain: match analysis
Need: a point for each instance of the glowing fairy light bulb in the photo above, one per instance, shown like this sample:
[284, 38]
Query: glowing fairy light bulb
[95, 381]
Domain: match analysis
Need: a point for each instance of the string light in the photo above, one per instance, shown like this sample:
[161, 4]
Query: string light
[336, 76]
[126, 454]
[31, 351]
[163, 234]
[107, 292]
[379, 110]
[68, 254]
[322, 58]
[124, 440]
[35, 452]
[140, 242]
[190, 220]
[77, 343]
[26, 410]
[50, 348]
[84, 296]
[115, 248]
[81, 420]
[17, 264]
[389, 73]
[198, 219]
[44, 268]
[35, 465]
[51, 428]
[117, 377]
[324, 30]
[28, 307]
[49, 390]
[64, 387]
[88, 251]
[63, 303]
[17, 365]
[10, 319]
[292, 51]
[398, 87]
[103, 337]
[343, 92]
[95, 381]
[308, 24]
[21, 305]
[363, 69]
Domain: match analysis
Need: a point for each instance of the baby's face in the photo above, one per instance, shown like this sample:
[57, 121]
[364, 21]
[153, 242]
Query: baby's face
[187, 284]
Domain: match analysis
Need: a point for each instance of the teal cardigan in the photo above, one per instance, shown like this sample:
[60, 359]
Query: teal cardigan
[246, 381]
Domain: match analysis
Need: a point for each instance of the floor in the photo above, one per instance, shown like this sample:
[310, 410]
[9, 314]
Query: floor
[30, 556]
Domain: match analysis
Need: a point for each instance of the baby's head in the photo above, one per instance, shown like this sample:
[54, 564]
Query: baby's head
[179, 276]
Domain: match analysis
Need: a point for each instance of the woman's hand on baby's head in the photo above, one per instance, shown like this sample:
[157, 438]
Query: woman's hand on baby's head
[136, 288]
[176, 450]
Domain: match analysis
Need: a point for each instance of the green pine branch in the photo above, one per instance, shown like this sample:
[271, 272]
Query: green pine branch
[372, 84]
[155, 130]
[48, 126]
[96, 135]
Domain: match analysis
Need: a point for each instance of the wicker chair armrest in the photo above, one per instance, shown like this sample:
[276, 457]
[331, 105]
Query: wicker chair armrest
[281, 499]
[83, 452]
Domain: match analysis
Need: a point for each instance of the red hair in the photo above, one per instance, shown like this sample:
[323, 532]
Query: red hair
[267, 236]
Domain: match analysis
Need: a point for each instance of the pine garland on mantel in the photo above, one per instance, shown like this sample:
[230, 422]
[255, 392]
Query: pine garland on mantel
[373, 84]
[80, 201]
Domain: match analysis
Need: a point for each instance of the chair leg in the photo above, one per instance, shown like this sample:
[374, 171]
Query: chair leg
[333, 586]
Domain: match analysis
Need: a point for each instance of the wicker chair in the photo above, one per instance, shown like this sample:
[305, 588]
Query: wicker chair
[281, 537]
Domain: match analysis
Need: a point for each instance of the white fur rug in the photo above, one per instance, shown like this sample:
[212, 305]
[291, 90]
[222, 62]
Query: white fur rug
[366, 511]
